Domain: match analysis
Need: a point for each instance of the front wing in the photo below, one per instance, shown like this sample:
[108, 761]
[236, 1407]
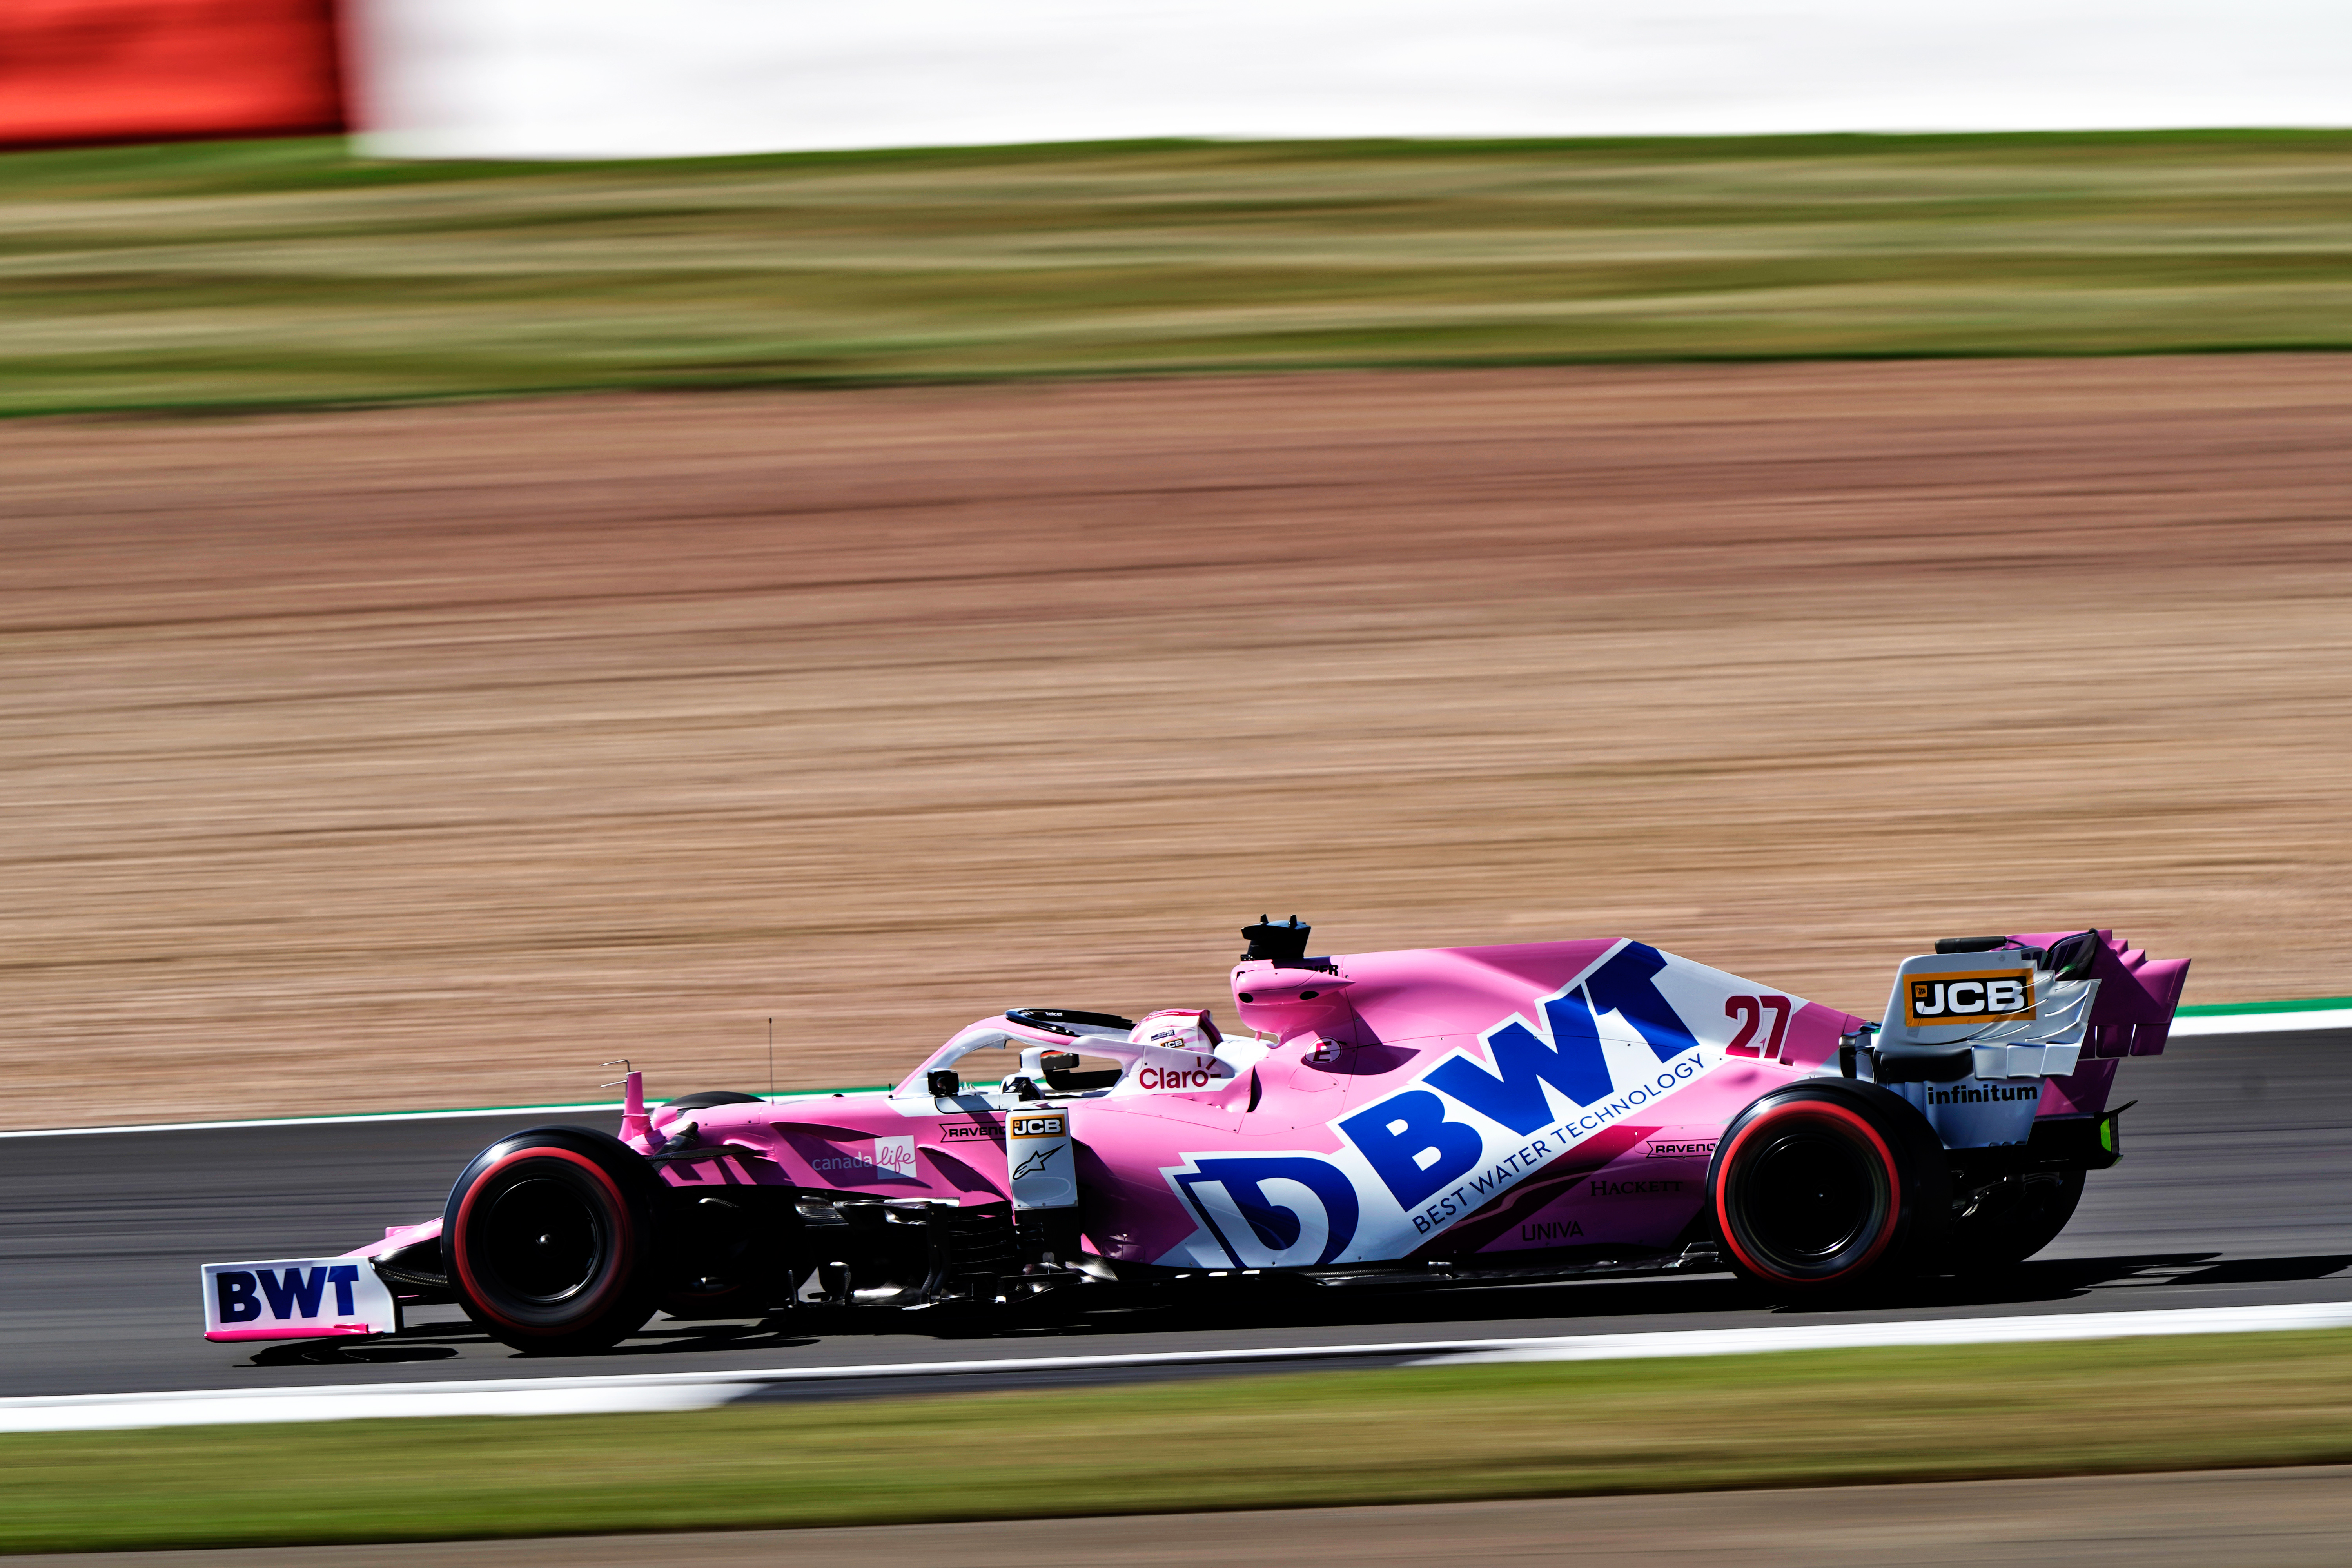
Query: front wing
[297, 1298]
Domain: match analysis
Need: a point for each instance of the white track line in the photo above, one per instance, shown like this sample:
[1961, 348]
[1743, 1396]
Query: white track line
[690, 1391]
[2261, 1022]
[1928, 1332]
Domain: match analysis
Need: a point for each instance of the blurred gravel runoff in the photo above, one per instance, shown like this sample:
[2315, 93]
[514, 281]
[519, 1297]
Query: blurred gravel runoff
[430, 757]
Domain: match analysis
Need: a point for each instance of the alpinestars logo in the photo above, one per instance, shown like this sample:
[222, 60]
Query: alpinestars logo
[1036, 1164]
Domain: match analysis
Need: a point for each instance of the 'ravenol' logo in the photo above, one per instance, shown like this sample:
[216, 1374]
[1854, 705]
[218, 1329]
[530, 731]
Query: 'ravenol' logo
[291, 1294]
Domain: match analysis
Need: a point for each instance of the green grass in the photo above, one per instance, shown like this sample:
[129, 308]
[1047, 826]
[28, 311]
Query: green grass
[251, 274]
[1531, 1430]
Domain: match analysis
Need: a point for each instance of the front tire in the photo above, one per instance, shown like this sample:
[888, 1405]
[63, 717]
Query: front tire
[550, 1237]
[1828, 1187]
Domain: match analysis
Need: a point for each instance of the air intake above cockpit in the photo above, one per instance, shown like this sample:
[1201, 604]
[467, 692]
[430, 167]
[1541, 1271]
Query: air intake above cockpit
[1282, 944]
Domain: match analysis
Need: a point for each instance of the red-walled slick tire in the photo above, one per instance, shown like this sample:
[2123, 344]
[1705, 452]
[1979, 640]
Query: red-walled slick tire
[1829, 1185]
[550, 1237]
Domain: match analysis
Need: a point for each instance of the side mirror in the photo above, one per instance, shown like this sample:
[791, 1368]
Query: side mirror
[1058, 1061]
[945, 1083]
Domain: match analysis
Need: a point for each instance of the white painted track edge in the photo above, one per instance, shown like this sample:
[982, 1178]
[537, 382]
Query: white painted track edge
[643, 1391]
[2260, 1022]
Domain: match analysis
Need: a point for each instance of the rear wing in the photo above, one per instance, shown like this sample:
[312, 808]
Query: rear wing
[2067, 995]
[1971, 1028]
[2132, 1015]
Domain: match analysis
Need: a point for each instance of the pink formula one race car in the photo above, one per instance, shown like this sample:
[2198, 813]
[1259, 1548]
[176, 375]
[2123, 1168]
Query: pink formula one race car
[1484, 1113]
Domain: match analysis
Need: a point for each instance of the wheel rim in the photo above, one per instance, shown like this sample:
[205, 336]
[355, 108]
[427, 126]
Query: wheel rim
[1811, 1197]
[544, 1241]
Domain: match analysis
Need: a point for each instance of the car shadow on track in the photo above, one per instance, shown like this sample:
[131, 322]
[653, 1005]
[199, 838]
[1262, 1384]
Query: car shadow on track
[333, 1353]
[1287, 1304]
[2027, 1285]
[2268, 1270]
[449, 1343]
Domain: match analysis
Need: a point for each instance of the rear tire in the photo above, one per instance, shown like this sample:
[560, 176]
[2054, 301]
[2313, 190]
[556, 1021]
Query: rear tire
[2017, 1220]
[1828, 1187]
[551, 1239]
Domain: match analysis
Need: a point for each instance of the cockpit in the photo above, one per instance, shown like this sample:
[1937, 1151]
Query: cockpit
[1064, 1053]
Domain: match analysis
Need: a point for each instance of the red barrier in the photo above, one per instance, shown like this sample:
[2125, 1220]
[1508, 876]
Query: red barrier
[138, 70]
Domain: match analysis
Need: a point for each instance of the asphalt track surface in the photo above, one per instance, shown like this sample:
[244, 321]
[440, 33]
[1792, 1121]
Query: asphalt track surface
[2236, 1189]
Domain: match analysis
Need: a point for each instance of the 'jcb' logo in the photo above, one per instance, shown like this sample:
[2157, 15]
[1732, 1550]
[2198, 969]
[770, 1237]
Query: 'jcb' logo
[1038, 1126]
[1990, 996]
